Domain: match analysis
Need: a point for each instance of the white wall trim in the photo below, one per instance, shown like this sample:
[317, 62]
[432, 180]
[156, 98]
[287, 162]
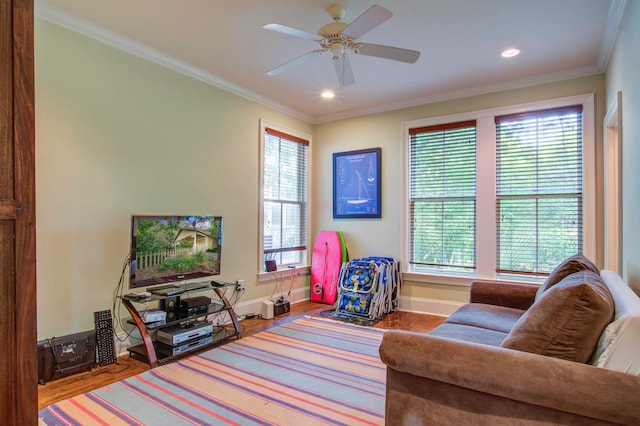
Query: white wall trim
[298, 295]
[464, 93]
[255, 306]
[123, 341]
[284, 274]
[613, 235]
[616, 12]
[442, 308]
[590, 225]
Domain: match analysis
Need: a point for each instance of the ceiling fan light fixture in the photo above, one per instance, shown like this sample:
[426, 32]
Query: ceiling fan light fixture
[336, 48]
[510, 52]
[339, 39]
[328, 94]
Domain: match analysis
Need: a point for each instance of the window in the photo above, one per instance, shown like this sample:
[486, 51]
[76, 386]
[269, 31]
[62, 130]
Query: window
[539, 189]
[501, 193]
[284, 197]
[443, 196]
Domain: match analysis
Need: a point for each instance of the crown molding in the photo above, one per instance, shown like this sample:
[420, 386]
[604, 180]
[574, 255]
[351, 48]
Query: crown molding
[64, 19]
[464, 93]
[616, 13]
[74, 23]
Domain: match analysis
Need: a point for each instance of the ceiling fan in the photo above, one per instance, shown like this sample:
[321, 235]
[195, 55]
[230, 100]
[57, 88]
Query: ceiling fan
[340, 38]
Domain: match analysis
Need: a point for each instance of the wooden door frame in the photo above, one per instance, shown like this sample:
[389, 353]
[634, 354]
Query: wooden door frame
[18, 334]
[613, 186]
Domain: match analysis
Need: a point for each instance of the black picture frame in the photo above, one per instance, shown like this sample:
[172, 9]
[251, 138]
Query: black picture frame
[356, 184]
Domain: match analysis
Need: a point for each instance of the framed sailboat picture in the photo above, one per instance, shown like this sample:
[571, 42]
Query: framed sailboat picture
[356, 184]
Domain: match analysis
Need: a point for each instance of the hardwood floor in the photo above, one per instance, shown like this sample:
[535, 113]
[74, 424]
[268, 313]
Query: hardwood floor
[126, 366]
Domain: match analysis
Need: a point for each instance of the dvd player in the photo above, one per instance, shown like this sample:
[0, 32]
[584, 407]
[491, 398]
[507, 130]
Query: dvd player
[192, 345]
[178, 334]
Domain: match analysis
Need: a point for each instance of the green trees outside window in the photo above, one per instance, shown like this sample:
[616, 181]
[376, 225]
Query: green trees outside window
[539, 189]
[538, 200]
[443, 196]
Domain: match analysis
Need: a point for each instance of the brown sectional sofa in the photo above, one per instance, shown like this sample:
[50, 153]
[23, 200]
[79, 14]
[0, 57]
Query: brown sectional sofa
[522, 354]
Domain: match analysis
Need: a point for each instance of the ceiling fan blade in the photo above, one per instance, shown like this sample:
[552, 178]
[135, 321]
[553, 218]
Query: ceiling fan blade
[364, 23]
[295, 61]
[343, 71]
[292, 31]
[388, 52]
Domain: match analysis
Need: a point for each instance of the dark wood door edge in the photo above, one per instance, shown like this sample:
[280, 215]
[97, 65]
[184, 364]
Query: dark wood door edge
[8, 209]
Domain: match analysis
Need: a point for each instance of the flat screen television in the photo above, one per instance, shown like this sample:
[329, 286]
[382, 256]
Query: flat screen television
[169, 249]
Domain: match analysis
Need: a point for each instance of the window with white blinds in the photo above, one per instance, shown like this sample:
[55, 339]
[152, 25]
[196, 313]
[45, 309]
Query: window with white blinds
[539, 189]
[284, 198]
[507, 192]
[442, 197]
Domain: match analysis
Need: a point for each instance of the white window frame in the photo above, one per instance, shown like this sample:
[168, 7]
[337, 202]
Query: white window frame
[486, 187]
[262, 275]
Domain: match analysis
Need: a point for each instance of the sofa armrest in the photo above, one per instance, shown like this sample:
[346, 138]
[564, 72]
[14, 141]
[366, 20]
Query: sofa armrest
[510, 295]
[557, 384]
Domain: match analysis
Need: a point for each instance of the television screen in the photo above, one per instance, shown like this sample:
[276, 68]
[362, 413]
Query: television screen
[166, 249]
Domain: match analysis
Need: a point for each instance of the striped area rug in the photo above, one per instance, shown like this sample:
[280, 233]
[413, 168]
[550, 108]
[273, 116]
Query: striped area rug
[305, 372]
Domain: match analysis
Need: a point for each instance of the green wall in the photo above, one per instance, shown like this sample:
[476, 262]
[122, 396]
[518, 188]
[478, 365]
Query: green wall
[115, 136]
[384, 236]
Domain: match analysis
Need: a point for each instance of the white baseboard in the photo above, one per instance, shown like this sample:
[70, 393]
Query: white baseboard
[255, 306]
[408, 304]
[123, 340]
[420, 305]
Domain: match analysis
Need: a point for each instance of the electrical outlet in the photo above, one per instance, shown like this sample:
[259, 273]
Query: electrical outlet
[240, 285]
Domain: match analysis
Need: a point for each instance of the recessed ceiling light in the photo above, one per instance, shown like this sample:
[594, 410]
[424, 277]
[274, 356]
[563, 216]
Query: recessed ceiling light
[510, 53]
[328, 94]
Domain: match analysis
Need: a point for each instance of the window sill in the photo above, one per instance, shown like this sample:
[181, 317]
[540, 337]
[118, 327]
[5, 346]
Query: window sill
[419, 277]
[284, 273]
[463, 280]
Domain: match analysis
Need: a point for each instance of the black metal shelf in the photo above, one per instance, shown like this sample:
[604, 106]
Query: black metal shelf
[156, 352]
[180, 316]
[164, 352]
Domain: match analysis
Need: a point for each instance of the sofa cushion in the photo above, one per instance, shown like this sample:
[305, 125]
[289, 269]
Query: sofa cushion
[467, 333]
[567, 320]
[575, 263]
[619, 344]
[491, 317]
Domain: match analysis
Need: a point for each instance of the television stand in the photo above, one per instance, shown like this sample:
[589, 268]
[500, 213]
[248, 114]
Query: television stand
[156, 352]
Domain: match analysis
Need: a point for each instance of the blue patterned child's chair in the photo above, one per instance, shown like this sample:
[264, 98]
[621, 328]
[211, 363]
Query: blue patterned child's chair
[368, 287]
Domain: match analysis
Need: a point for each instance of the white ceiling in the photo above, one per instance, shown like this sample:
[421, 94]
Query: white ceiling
[223, 43]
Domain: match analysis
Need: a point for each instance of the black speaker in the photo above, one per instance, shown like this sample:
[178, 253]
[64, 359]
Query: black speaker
[169, 304]
[61, 356]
